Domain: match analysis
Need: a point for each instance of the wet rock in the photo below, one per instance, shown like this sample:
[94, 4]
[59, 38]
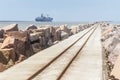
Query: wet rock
[12, 27]
[31, 27]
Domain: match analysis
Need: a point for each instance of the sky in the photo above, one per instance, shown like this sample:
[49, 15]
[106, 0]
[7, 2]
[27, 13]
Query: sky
[61, 10]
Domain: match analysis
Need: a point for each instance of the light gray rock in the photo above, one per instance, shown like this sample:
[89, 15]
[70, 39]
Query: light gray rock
[114, 54]
[64, 35]
[35, 36]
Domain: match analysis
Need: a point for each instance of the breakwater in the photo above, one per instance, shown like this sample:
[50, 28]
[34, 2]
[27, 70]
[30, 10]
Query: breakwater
[17, 45]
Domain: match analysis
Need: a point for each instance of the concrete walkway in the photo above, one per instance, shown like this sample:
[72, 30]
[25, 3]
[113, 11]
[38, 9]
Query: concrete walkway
[88, 65]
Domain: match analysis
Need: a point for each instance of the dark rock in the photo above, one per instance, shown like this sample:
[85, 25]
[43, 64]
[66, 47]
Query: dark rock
[31, 27]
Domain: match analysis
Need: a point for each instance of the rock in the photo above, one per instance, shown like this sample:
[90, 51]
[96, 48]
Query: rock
[35, 36]
[10, 63]
[2, 67]
[1, 40]
[114, 54]
[55, 42]
[12, 27]
[53, 33]
[74, 30]
[110, 43]
[1, 33]
[19, 41]
[36, 47]
[65, 29]
[47, 32]
[3, 59]
[31, 27]
[50, 43]
[64, 35]
[116, 69]
[21, 58]
[9, 54]
[57, 35]
[8, 43]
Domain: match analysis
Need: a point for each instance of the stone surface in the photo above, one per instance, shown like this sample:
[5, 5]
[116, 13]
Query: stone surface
[31, 27]
[116, 70]
[35, 36]
[64, 35]
[19, 41]
[36, 47]
[12, 27]
[65, 28]
[1, 33]
[114, 54]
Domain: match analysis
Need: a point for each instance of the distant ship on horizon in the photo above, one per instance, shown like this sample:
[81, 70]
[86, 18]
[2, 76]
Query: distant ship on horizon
[44, 18]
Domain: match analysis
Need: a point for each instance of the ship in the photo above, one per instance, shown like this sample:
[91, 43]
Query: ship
[43, 18]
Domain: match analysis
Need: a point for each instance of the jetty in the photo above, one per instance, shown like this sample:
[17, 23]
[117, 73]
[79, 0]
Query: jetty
[80, 52]
[76, 57]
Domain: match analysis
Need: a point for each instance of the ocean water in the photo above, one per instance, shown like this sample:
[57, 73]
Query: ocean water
[24, 24]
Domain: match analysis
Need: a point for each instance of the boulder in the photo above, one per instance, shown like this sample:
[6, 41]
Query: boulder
[47, 32]
[35, 36]
[116, 69]
[9, 54]
[12, 27]
[53, 33]
[19, 41]
[36, 47]
[74, 30]
[65, 29]
[21, 58]
[57, 35]
[114, 54]
[8, 43]
[1, 33]
[110, 43]
[2, 67]
[3, 59]
[31, 27]
[64, 35]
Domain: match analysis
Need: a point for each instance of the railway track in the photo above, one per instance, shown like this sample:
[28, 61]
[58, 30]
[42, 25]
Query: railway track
[56, 70]
[50, 64]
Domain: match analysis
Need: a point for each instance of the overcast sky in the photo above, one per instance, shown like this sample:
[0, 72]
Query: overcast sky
[61, 10]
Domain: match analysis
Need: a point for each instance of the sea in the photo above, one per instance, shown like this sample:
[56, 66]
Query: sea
[24, 24]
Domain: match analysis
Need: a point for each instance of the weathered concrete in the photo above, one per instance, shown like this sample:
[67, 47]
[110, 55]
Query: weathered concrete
[88, 64]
